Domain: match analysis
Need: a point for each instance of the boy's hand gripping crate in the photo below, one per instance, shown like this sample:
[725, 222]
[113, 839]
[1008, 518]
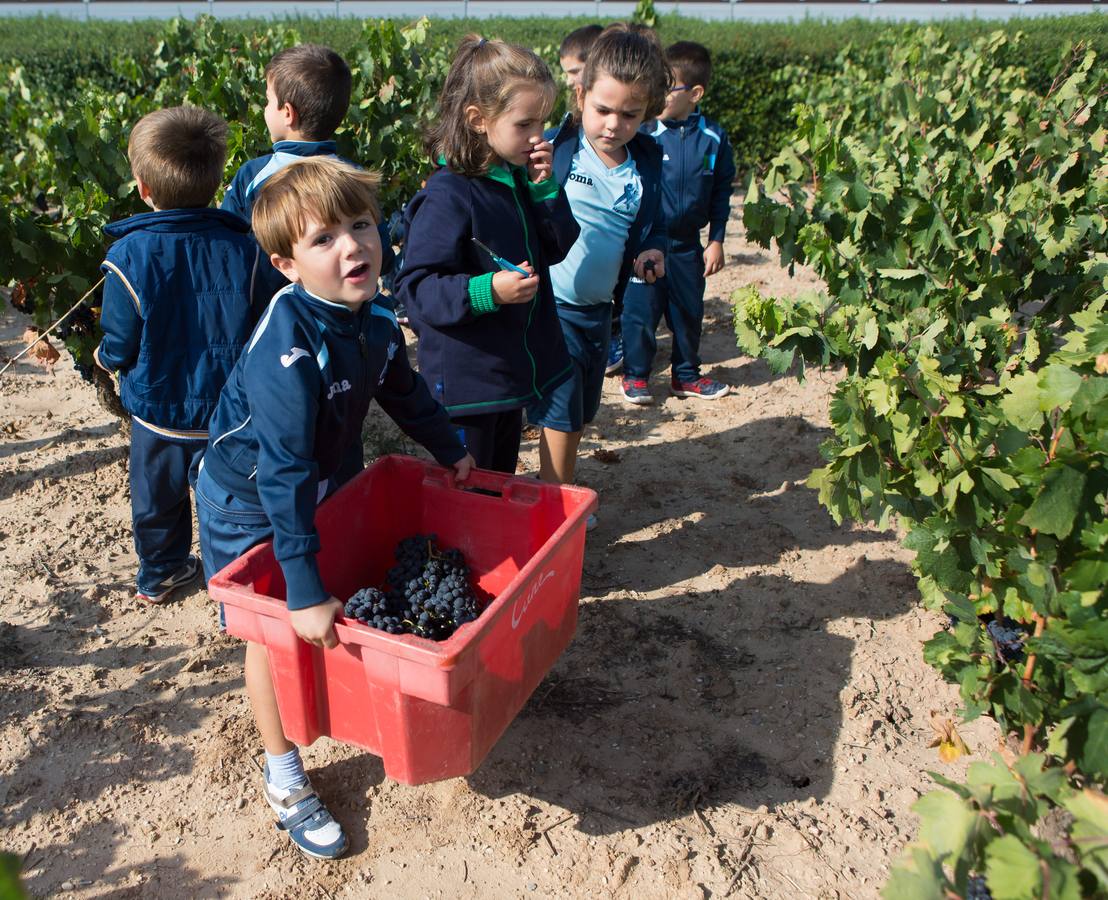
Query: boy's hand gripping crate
[430, 710]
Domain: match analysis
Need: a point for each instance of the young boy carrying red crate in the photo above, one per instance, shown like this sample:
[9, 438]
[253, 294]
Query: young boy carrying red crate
[287, 431]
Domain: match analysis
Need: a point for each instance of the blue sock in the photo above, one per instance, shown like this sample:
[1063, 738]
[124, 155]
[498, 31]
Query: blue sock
[286, 771]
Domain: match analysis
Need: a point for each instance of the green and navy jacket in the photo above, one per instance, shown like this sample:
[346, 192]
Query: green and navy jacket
[182, 290]
[479, 357]
[648, 231]
[288, 428]
[698, 169]
[250, 177]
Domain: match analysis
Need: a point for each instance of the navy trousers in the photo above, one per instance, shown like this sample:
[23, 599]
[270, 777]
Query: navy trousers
[680, 298]
[492, 439]
[161, 511]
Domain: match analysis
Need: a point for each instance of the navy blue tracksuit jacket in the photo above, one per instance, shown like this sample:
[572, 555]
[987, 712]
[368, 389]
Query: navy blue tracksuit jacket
[182, 290]
[698, 169]
[478, 357]
[252, 174]
[288, 428]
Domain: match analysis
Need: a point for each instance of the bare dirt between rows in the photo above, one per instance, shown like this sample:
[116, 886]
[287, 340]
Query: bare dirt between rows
[743, 712]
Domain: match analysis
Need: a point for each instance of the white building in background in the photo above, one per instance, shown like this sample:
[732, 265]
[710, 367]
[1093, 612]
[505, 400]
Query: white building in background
[727, 10]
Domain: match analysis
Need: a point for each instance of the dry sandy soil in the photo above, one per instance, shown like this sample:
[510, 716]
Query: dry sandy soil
[743, 712]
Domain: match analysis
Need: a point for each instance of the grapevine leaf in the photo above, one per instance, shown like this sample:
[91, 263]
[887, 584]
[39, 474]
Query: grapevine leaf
[1012, 871]
[1090, 828]
[1056, 506]
[1021, 405]
[900, 274]
[917, 876]
[1000, 478]
[1094, 753]
[946, 823]
[869, 334]
[1057, 385]
[10, 887]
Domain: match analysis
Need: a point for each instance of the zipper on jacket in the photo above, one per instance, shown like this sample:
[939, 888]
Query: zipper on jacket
[364, 350]
[684, 167]
[534, 300]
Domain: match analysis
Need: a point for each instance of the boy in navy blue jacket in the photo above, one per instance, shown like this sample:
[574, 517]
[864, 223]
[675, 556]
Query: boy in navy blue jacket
[290, 420]
[181, 287]
[697, 174]
[307, 92]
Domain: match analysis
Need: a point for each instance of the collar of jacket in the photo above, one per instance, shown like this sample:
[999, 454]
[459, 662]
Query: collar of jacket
[176, 220]
[565, 137]
[306, 148]
[691, 122]
[496, 172]
[503, 173]
[333, 316]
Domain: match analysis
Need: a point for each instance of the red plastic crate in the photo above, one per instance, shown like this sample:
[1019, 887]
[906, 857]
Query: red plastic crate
[429, 710]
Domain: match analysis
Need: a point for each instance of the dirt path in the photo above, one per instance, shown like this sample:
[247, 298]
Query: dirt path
[744, 710]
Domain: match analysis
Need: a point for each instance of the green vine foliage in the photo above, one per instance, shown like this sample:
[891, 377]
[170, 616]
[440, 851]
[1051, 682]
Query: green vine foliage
[958, 220]
[645, 14]
[66, 165]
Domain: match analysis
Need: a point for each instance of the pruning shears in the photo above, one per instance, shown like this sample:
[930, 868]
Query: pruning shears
[501, 261]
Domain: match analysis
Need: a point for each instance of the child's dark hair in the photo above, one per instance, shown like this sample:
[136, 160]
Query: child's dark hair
[315, 81]
[691, 63]
[578, 42]
[485, 74]
[631, 56]
[178, 154]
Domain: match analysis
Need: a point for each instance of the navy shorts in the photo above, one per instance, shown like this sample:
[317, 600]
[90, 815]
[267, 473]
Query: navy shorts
[573, 404]
[228, 527]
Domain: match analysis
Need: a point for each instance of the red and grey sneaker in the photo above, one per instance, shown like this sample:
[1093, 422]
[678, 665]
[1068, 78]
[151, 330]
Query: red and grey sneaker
[702, 388]
[636, 390]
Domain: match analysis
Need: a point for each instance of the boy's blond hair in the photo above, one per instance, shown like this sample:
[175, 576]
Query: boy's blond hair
[316, 82]
[322, 187]
[178, 153]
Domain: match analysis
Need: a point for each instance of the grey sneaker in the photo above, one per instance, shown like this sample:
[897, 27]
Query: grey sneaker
[181, 577]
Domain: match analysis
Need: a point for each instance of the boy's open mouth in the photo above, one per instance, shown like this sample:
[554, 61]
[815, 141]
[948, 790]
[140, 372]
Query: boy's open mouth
[358, 272]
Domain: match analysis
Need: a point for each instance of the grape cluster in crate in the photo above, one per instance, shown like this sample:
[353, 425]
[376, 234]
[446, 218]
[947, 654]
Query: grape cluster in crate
[427, 593]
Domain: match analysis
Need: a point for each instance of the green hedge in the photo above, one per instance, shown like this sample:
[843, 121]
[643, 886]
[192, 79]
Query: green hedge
[756, 64]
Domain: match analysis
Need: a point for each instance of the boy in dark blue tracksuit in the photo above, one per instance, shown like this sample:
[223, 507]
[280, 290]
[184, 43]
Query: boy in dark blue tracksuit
[307, 95]
[182, 288]
[289, 422]
[698, 169]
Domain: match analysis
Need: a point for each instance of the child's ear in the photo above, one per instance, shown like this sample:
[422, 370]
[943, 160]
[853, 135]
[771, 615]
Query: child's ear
[579, 93]
[696, 93]
[474, 119]
[292, 117]
[286, 266]
[144, 192]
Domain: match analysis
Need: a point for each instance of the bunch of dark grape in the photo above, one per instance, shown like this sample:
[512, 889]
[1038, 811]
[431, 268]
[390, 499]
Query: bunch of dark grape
[1007, 639]
[976, 889]
[371, 605]
[427, 593]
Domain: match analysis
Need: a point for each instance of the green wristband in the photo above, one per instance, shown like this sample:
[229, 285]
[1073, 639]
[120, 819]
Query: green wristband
[480, 294]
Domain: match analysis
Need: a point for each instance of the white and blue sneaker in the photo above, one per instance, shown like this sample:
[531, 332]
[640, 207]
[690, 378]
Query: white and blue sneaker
[302, 815]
